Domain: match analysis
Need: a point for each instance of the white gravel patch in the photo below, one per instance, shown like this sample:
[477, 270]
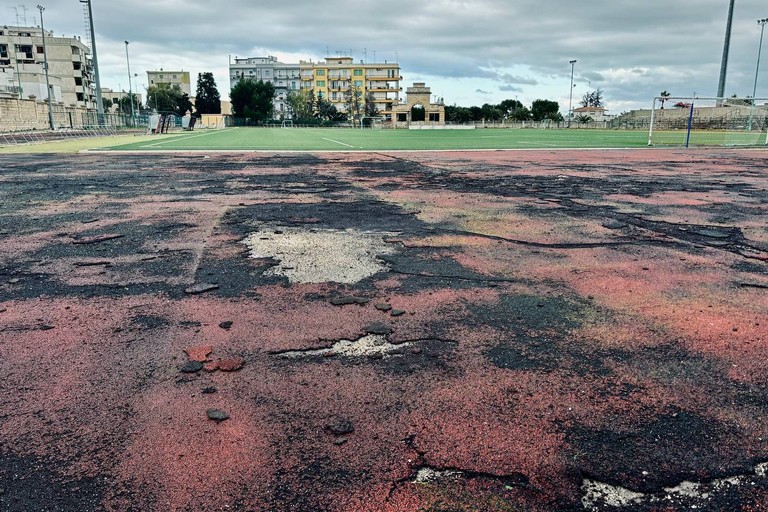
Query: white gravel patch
[319, 256]
[370, 345]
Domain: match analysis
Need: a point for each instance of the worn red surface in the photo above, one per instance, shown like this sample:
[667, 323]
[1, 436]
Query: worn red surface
[569, 315]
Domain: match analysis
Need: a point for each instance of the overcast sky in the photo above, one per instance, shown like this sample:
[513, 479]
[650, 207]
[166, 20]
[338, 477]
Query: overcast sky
[469, 52]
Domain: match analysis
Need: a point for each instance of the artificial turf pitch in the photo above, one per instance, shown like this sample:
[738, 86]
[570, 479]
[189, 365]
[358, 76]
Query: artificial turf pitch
[344, 139]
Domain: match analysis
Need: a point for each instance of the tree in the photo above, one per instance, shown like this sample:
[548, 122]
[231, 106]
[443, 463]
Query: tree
[664, 95]
[168, 98]
[508, 106]
[592, 99]
[370, 105]
[520, 114]
[327, 111]
[454, 114]
[354, 104]
[545, 109]
[124, 104]
[492, 113]
[583, 119]
[253, 100]
[107, 103]
[302, 104]
[208, 98]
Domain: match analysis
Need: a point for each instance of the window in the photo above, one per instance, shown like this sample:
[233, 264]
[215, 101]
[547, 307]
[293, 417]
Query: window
[293, 85]
[160, 76]
[358, 72]
[321, 83]
[358, 83]
[320, 72]
[78, 81]
[40, 49]
[77, 65]
[434, 116]
[402, 118]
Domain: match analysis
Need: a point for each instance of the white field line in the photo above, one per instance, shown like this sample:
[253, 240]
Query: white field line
[337, 142]
[176, 139]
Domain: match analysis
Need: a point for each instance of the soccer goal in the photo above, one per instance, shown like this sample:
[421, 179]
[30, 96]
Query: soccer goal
[287, 123]
[699, 121]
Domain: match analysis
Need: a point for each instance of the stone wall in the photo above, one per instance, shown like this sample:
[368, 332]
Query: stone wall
[27, 114]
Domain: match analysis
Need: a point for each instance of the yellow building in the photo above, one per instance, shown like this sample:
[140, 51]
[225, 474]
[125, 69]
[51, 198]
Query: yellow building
[336, 76]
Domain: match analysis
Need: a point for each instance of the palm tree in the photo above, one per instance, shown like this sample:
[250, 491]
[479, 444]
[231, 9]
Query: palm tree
[664, 95]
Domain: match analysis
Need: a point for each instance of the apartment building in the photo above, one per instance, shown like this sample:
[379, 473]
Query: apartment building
[70, 69]
[332, 78]
[180, 78]
[284, 77]
[116, 96]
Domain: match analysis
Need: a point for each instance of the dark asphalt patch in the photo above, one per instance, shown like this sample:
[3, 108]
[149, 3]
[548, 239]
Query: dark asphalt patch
[29, 484]
[657, 449]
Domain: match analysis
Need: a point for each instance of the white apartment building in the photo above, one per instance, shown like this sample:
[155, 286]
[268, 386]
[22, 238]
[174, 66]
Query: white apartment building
[69, 67]
[284, 77]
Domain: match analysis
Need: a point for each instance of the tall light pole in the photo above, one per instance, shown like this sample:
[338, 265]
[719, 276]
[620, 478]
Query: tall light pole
[99, 103]
[45, 67]
[726, 48]
[570, 97]
[130, 87]
[762, 23]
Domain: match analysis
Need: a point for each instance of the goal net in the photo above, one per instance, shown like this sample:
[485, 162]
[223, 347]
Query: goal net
[287, 123]
[697, 121]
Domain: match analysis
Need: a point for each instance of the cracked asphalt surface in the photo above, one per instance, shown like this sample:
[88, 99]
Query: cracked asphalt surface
[544, 319]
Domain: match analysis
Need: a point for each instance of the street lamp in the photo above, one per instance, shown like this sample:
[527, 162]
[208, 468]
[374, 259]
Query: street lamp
[130, 87]
[762, 23]
[45, 67]
[570, 98]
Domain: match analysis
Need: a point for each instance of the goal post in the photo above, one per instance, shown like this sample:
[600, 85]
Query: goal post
[705, 121]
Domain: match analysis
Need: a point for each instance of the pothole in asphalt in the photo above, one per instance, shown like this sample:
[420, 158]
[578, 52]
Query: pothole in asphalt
[319, 256]
[372, 345]
[601, 496]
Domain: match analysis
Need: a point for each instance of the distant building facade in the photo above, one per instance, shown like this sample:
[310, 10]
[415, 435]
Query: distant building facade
[180, 78]
[419, 108]
[116, 96]
[70, 68]
[331, 78]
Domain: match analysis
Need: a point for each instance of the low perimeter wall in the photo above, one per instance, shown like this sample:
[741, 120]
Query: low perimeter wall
[25, 114]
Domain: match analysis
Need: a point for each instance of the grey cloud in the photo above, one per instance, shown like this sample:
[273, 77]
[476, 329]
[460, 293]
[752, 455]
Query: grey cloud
[510, 88]
[671, 45]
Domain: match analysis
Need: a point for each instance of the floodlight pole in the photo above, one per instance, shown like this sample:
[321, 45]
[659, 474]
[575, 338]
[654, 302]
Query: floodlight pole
[570, 97]
[762, 23]
[99, 102]
[726, 48]
[45, 67]
[130, 87]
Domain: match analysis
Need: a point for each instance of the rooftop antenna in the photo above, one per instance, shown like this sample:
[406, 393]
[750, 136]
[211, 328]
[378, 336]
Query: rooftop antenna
[17, 15]
[374, 55]
[397, 57]
[24, 18]
[365, 55]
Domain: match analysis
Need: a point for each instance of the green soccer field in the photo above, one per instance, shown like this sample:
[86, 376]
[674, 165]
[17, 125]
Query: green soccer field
[345, 139]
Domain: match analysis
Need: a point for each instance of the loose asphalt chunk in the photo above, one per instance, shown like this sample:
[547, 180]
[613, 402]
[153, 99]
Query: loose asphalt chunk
[383, 307]
[217, 415]
[348, 299]
[226, 324]
[201, 288]
[379, 328]
[397, 312]
[95, 239]
[191, 367]
[339, 426]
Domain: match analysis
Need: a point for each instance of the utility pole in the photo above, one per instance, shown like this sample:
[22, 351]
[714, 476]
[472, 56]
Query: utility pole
[762, 23]
[570, 97]
[726, 48]
[130, 87]
[99, 103]
[45, 67]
